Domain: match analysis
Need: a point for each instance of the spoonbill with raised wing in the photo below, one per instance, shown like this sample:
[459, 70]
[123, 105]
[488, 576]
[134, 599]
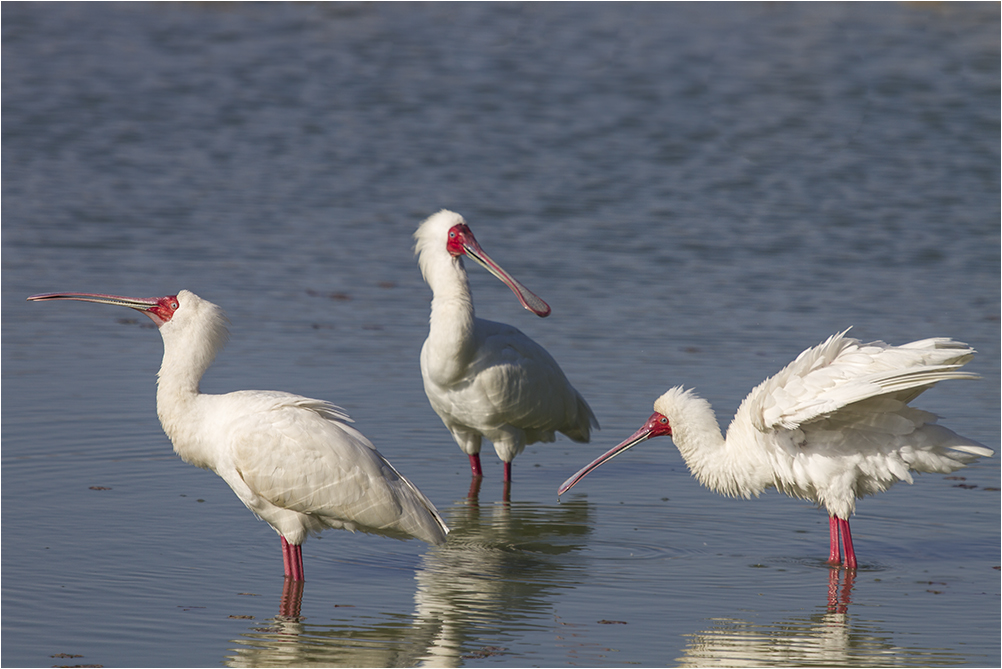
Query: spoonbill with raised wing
[832, 427]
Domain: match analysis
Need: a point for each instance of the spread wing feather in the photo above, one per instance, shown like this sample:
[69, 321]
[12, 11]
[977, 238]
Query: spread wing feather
[841, 372]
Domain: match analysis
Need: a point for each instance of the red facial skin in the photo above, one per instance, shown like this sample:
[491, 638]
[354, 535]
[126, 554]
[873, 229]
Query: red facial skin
[164, 309]
[657, 426]
[459, 237]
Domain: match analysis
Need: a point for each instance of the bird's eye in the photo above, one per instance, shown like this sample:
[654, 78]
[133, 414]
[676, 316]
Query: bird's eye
[173, 305]
[452, 234]
[663, 420]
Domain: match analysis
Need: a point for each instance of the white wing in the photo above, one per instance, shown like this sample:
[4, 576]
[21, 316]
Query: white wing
[525, 386]
[840, 372]
[834, 425]
[302, 465]
[512, 381]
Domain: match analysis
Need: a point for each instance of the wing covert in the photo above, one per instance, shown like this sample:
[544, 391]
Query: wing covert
[840, 372]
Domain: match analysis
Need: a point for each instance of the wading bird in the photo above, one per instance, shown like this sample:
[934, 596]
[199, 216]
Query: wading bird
[291, 460]
[487, 379]
[833, 426]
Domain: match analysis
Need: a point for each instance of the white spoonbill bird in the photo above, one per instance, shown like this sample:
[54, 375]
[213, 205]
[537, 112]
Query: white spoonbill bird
[487, 379]
[833, 426]
[291, 460]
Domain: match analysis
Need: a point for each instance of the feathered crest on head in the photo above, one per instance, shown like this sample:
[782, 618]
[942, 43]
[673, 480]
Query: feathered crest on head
[430, 237]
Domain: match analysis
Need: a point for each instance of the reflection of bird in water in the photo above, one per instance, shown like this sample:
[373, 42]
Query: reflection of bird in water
[497, 569]
[292, 599]
[487, 379]
[833, 426]
[840, 593]
[827, 639]
[278, 644]
[287, 641]
[290, 642]
[292, 460]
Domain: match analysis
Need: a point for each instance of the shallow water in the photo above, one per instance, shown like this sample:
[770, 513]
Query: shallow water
[699, 192]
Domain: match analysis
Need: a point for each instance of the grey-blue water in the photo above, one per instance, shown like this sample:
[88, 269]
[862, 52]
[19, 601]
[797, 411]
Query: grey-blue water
[699, 191]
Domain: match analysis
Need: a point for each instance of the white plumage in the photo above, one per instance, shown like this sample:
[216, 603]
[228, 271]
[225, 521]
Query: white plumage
[487, 379]
[292, 460]
[832, 427]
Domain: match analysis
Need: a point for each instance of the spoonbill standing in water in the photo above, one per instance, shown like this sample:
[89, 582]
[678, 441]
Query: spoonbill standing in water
[487, 379]
[833, 426]
[292, 460]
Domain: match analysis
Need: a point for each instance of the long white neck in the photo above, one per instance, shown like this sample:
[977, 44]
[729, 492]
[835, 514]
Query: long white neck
[191, 340]
[722, 465]
[451, 343]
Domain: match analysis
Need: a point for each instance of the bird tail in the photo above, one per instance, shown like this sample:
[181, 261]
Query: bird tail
[581, 431]
[433, 529]
[423, 521]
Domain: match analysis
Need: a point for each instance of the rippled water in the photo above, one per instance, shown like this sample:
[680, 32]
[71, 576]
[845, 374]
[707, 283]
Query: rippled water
[699, 191]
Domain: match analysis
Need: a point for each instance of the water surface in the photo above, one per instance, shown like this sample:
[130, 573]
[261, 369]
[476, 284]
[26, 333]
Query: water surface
[699, 191]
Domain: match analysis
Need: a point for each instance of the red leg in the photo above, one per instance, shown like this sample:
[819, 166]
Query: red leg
[833, 555]
[475, 465]
[850, 553]
[507, 471]
[297, 564]
[292, 558]
[286, 558]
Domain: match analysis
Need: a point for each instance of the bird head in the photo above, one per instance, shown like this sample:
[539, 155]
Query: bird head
[460, 242]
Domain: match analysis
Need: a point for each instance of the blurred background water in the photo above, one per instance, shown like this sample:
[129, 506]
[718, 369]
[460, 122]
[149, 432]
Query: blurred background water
[699, 191]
